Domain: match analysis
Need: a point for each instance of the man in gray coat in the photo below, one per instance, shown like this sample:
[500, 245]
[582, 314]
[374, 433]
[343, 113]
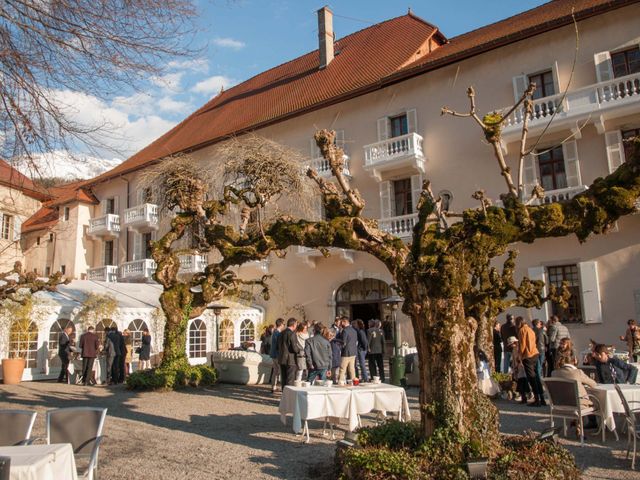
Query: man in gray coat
[556, 332]
[349, 339]
[317, 351]
[376, 350]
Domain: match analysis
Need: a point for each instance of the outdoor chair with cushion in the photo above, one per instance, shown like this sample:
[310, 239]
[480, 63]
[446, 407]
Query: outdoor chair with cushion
[16, 427]
[82, 428]
[565, 403]
[632, 423]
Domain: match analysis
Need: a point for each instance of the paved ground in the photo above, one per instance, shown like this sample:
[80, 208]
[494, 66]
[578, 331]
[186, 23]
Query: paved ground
[235, 432]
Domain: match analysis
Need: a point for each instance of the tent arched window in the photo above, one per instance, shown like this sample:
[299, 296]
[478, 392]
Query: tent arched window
[136, 328]
[23, 341]
[197, 339]
[54, 334]
[101, 326]
[247, 331]
[226, 335]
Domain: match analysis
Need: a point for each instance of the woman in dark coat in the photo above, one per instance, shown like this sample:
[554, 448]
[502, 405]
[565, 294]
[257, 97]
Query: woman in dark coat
[145, 350]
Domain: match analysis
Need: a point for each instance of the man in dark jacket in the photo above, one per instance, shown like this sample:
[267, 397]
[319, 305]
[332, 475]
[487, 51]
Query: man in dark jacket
[64, 350]
[117, 354]
[612, 370]
[317, 351]
[288, 350]
[90, 346]
[497, 348]
[349, 339]
[122, 355]
[273, 353]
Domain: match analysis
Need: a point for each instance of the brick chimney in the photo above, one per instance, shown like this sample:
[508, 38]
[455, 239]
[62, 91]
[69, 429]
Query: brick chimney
[325, 36]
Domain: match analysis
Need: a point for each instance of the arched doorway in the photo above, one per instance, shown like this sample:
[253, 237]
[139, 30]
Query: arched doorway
[363, 299]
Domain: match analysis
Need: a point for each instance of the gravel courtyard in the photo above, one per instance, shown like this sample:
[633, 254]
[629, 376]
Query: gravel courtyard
[235, 432]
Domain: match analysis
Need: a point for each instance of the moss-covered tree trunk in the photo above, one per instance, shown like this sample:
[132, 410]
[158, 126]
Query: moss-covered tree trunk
[449, 396]
[176, 304]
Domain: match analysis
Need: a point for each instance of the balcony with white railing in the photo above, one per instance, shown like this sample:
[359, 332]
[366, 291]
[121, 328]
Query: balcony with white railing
[108, 273]
[321, 165]
[394, 153]
[596, 103]
[561, 194]
[193, 263]
[106, 226]
[310, 256]
[138, 270]
[400, 226]
[142, 218]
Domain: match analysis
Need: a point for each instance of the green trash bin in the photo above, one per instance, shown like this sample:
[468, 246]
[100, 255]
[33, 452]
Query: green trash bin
[397, 370]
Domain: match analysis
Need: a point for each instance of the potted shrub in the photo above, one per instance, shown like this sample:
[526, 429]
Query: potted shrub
[16, 319]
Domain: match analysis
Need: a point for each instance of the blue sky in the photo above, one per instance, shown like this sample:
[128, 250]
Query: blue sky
[240, 38]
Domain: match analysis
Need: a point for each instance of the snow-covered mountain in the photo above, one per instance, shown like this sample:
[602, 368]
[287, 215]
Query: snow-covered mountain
[64, 165]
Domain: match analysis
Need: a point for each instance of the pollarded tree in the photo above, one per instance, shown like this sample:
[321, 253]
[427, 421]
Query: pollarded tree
[445, 274]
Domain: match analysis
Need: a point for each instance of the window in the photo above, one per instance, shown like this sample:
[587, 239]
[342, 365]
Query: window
[552, 170]
[54, 334]
[402, 196]
[226, 335]
[63, 269]
[399, 125]
[247, 331]
[110, 205]
[7, 227]
[627, 135]
[23, 341]
[136, 328]
[146, 244]
[51, 237]
[447, 197]
[570, 274]
[65, 214]
[197, 339]
[47, 271]
[544, 84]
[108, 252]
[626, 62]
[101, 326]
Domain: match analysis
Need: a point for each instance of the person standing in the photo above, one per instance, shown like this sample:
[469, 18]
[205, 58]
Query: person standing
[288, 350]
[317, 351]
[375, 337]
[302, 335]
[556, 332]
[273, 353]
[145, 350]
[128, 356]
[363, 347]
[507, 331]
[497, 348]
[64, 351]
[116, 353]
[541, 344]
[632, 337]
[109, 350]
[336, 354]
[122, 355]
[529, 356]
[349, 339]
[265, 340]
[336, 325]
[90, 346]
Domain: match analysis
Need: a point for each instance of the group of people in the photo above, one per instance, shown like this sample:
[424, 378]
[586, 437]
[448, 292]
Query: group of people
[302, 350]
[117, 349]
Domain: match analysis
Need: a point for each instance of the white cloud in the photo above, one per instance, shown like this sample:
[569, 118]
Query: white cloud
[195, 65]
[170, 105]
[227, 42]
[213, 84]
[169, 81]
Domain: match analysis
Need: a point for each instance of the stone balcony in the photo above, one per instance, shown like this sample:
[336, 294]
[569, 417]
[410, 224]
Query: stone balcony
[142, 218]
[321, 166]
[400, 226]
[310, 256]
[107, 273]
[104, 227]
[138, 270]
[595, 103]
[190, 264]
[403, 152]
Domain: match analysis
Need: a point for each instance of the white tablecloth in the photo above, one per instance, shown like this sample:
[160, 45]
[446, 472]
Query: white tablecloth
[341, 402]
[41, 462]
[99, 365]
[610, 402]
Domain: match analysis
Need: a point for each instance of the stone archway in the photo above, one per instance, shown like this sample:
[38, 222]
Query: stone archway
[363, 299]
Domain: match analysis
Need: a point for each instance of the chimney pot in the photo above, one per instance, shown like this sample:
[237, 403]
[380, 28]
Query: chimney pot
[325, 36]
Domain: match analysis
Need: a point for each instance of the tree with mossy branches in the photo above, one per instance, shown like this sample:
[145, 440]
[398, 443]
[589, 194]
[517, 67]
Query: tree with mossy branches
[450, 286]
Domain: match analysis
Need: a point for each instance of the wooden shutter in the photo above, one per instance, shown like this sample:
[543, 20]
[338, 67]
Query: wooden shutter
[615, 150]
[530, 175]
[571, 163]
[137, 246]
[383, 129]
[103, 206]
[412, 121]
[387, 201]
[140, 198]
[556, 78]
[340, 138]
[17, 226]
[116, 206]
[416, 190]
[520, 84]
[604, 68]
[592, 309]
[540, 273]
[314, 151]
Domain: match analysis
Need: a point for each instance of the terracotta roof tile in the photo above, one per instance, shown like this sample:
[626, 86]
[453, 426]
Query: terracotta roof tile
[44, 218]
[11, 177]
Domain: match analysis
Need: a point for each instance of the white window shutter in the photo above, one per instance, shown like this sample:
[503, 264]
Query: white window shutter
[520, 84]
[17, 226]
[529, 174]
[116, 244]
[387, 207]
[314, 151]
[140, 197]
[116, 207]
[104, 252]
[103, 206]
[592, 309]
[604, 68]
[383, 129]
[318, 208]
[416, 190]
[412, 121]
[540, 273]
[340, 138]
[615, 150]
[556, 77]
[137, 246]
[571, 163]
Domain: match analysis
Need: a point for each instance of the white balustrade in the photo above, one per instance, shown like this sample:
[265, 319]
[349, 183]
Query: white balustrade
[401, 226]
[138, 269]
[393, 148]
[108, 273]
[105, 225]
[141, 215]
[321, 165]
[192, 263]
[561, 194]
